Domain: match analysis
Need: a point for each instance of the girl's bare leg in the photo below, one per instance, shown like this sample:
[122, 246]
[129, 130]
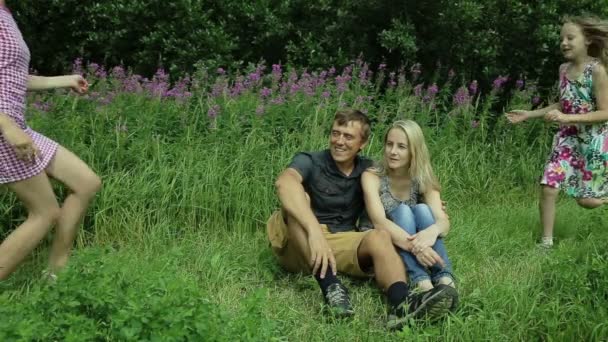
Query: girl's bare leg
[83, 184]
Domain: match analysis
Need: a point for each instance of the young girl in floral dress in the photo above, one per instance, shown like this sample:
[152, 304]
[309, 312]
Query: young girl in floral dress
[578, 163]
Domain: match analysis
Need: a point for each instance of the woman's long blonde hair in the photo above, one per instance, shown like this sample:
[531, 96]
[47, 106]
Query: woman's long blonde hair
[596, 31]
[420, 160]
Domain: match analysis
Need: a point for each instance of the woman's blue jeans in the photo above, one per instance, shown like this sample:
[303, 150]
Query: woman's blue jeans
[413, 220]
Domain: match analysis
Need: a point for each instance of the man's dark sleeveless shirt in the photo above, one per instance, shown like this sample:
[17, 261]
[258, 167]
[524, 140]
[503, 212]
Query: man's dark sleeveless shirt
[336, 199]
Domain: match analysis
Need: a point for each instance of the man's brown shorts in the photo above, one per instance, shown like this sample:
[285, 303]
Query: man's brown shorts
[344, 246]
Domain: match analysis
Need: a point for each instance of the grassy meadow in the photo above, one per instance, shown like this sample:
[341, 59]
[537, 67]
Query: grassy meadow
[174, 246]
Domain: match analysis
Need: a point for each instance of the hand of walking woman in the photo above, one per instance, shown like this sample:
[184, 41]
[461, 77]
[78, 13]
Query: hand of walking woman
[78, 84]
[22, 143]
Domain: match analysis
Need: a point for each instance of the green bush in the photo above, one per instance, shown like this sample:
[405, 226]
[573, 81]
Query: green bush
[479, 39]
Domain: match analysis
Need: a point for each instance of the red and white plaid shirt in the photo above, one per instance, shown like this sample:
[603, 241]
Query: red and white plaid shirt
[14, 68]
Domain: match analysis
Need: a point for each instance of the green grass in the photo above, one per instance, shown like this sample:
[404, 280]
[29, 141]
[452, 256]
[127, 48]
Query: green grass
[509, 289]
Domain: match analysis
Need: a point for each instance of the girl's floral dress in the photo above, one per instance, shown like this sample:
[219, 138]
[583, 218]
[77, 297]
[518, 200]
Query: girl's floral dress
[579, 158]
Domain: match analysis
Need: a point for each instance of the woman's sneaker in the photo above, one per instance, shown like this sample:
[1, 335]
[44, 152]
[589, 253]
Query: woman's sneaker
[432, 304]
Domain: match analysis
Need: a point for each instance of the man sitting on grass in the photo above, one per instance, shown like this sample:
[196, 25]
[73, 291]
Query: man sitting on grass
[315, 230]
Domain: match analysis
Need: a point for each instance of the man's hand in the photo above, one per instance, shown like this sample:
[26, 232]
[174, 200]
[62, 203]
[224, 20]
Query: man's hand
[321, 254]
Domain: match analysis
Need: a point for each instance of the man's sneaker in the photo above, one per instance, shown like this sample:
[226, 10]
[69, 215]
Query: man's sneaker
[338, 301]
[432, 304]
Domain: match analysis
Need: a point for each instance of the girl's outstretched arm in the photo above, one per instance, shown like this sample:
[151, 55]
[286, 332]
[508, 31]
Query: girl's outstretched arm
[75, 82]
[517, 115]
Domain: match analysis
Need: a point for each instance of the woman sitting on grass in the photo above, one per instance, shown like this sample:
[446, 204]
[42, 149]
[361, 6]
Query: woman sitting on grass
[402, 196]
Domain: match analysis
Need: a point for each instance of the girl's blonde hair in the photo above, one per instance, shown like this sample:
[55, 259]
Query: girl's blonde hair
[420, 161]
[596, 31]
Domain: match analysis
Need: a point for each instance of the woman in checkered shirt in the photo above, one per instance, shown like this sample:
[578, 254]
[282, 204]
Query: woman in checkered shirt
[28, 159]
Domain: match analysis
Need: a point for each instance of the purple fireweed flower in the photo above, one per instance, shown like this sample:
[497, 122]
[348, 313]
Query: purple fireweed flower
[535, 100]
[341, 83]
[325, 94]
[92, 68]
[283, 87]
[382, 66]
[293, 77]
[474, 124]
[309, 91]
[461, 97]
[331, 71]
[159, 85]
[499, 82]
[473, 87]
[254, 77]
[265, 92]
[432, 90]
[418, 90]
[294, 89]
[278, 100]
[237, 89]
[277, 69]
[219, 87]
[220, 71]
[364, 73]
[213, 111]
[77, 66]
[118, 72]
[519, 84]
[132, 84]
[42, 106]
[101, 73]
[180, 89]
[347, 70]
